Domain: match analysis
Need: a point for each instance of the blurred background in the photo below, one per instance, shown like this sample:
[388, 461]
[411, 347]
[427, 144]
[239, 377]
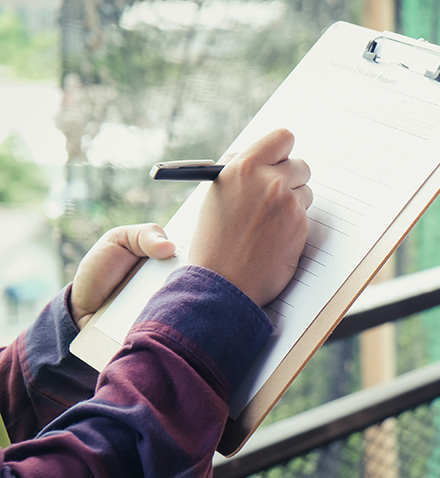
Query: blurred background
[92, 92]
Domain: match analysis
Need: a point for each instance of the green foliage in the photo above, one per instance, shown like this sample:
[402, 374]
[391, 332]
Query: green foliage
[418, 338]
[136, 61]
[331, 373]
[420, 19]
[21, 181]
[27, 56]
[417, 440]
[283, 43]
[133, 64]
[115, 196]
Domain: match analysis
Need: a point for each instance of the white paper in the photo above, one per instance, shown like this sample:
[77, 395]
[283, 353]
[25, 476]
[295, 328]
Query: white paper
[369, 132]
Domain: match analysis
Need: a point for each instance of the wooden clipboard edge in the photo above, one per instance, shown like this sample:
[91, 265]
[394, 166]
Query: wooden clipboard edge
[238, 431]
[84, 345]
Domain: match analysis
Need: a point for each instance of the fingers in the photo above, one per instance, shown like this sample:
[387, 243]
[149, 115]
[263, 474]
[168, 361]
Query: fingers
[271, 154]
[154, 243]
[271, 149]
[304, 195]
[143, 240]
[296, 170]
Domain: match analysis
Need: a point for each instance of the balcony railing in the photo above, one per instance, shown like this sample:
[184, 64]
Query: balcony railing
[363, 417]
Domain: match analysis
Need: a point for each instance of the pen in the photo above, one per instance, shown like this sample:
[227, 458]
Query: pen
[188, 170]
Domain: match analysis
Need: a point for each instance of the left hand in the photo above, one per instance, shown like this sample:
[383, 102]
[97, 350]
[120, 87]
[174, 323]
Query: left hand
[108, 262]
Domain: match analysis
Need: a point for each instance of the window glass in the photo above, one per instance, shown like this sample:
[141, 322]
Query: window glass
[93, 93]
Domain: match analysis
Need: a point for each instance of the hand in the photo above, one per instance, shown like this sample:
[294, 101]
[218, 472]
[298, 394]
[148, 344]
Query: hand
[109, 261]
[253, 225]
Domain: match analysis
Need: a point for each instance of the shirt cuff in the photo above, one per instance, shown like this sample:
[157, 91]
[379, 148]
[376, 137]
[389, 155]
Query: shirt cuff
[48, 366]
[223, 324]
[49, 338]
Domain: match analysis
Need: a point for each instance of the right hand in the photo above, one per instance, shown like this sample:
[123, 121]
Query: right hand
[253, 224]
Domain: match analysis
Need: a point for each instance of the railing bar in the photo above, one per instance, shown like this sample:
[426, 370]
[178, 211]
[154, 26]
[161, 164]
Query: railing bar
[315, 428]
[391, 300]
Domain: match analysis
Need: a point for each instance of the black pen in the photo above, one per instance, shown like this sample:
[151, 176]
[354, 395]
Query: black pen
[188, 170]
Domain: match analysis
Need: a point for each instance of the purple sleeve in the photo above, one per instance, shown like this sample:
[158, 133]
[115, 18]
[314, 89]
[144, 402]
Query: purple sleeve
[161, 404]
[39, 378]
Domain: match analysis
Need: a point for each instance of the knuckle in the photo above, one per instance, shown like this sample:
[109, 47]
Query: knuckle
[303, 168]
[247, 166]
[310, 196]
[153, 227]
[275, 191]
[242, 169]
[111, 234]
[297, 211]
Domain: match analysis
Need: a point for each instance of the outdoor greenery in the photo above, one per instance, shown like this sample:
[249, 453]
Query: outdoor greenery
[196, 80]
[24, 55]
[420, 19]
[21, 181]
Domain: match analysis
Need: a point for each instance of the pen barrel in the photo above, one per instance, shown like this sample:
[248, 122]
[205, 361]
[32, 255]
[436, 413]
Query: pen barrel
[193, 173]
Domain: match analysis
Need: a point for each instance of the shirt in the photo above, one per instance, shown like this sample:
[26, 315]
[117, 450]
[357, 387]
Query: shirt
[160, 406]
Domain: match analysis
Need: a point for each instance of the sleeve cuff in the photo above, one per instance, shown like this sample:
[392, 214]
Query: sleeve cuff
[222, 322]
[49, 338]
[49, 369]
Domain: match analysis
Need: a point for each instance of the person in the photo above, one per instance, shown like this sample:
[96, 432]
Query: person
[160, 405]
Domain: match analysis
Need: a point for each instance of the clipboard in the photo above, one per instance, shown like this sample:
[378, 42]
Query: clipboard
[377, 67]
[238, 431]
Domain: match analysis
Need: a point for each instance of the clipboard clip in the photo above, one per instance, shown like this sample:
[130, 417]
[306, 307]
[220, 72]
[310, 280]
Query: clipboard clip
[416, 53]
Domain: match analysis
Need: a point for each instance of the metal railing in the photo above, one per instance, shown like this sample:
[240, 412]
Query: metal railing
[281, 442]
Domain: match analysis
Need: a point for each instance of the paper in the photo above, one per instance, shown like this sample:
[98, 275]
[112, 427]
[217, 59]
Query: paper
[369, 132]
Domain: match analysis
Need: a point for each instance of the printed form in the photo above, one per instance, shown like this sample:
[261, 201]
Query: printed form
[370, 133]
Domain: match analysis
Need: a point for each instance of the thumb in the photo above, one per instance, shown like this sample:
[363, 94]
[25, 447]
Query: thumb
[154, 243]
